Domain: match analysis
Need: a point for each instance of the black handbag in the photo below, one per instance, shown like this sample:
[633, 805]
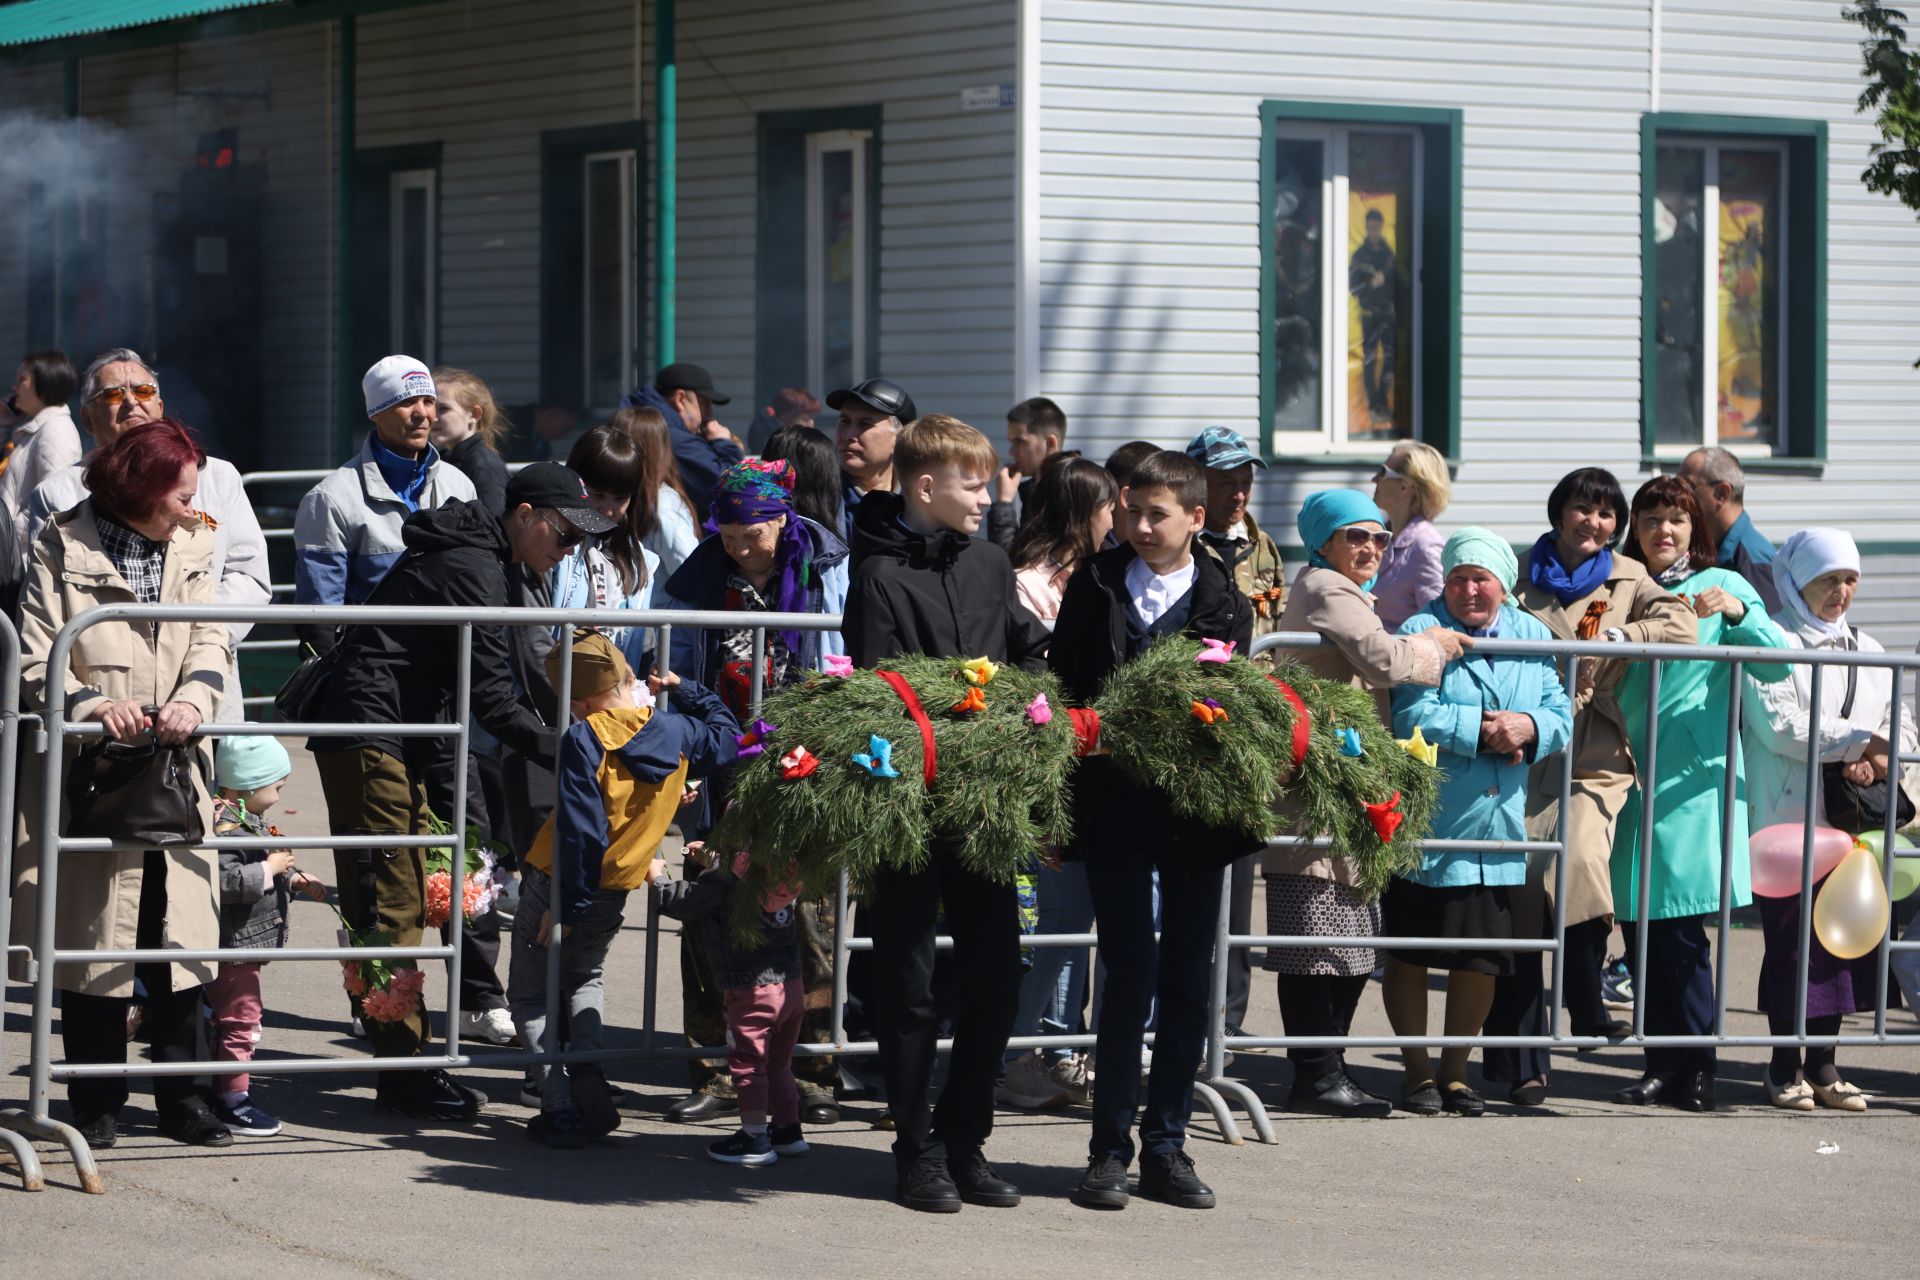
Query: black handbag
[299, 698]
[1854, 808]
[138, 791]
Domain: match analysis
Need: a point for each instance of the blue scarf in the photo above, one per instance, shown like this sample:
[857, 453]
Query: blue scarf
[1547, 573]
[407, 477]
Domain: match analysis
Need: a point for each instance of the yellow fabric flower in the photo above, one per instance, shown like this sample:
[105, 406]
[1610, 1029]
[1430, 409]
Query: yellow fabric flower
[1420, 749]
[979, 671]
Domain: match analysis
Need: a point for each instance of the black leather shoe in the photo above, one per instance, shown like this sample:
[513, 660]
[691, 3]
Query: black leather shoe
[696, 1107]
[1170, 1179]
[100, 1132]
[1693, 1091]
[426, 1095]
[1104, 1185]
[852, 1088]
[1655, 1086]
[927, 1187]
[1337, 1095]
[1528, 1093]
[193, 1123]
[817, 1106]
[979, 1184]
[1463, 1101]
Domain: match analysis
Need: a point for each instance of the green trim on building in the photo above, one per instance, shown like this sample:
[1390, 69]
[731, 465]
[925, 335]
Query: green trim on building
[1806, 337]
[227, 21]
[666, 184]
[44, 21]
[1440, 228]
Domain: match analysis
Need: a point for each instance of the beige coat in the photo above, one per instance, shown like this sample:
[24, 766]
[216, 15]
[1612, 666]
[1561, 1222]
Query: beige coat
[1359, 651]
[99, 903]
[1603, 768]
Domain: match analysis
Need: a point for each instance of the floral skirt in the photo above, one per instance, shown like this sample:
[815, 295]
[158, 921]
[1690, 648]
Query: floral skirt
[1303, 906]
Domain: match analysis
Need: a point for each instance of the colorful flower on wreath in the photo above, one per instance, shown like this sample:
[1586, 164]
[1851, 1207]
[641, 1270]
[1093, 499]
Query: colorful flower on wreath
[1207, 711]
[1039, 711]
[1212, 650]
[798, 763]
[975, 701]
[1420, 749]
[877, 759]
[399, 1000]
[754, 741]
[1350, 742]
[979, 671]
[1386, 818]
[837, 664]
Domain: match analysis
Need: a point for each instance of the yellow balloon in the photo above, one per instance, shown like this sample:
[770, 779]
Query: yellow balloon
[1850, 915]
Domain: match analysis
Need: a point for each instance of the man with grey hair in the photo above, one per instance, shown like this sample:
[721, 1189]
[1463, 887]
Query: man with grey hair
[120, 391]
[1719, 485]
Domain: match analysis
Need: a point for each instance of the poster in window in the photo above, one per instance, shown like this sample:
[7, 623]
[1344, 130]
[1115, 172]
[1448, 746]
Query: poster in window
[1379, 275]
[1749, 311]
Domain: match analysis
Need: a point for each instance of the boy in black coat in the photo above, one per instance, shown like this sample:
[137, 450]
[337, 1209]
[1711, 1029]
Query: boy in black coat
[923, 584]
[1159, 582]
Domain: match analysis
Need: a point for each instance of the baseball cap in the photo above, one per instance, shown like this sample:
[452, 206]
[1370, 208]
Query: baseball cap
[877, 393]
[558, 488]
[392, 380]
[1221, 449]
[681, 376]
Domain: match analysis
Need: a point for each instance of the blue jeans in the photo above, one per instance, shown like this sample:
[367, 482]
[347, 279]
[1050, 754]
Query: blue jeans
[583, 953]
[1174, 972]
[1054, 989]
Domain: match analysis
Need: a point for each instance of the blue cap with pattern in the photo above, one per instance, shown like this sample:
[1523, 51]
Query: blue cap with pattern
[1221, 449]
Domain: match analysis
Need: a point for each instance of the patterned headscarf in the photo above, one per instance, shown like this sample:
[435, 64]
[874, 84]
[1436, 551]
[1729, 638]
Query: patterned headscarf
[755, 492]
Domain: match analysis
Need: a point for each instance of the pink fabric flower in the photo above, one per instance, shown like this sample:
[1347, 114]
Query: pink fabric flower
[1215, 650]
[838, 664]
[352, 978]
[1038, 711]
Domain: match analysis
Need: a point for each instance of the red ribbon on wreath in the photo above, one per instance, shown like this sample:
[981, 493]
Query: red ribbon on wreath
[1302, 721]
[898, 683]
[1086, 730]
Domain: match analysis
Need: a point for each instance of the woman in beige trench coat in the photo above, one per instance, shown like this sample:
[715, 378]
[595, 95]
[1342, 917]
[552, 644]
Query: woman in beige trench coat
[1574, 583]
[137, 539]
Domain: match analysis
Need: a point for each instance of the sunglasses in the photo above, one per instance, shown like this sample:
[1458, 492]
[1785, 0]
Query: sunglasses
[1388, 473]
[567, 536]
[117, 396]
[1358, 537]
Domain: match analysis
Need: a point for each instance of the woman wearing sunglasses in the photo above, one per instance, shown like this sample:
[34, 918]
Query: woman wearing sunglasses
[1311, 891]
[1573, 582]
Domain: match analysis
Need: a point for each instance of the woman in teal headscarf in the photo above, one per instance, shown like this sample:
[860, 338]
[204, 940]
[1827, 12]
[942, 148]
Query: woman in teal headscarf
[1312, 891]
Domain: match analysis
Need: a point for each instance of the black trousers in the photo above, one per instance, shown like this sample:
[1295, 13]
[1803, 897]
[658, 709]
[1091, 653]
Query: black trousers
[1240, 921]
[984, 920]
[94, 1028]
[1677, 988]
[480, 988]
[1318, 1005]
[1177, 971]
[1520, 1002]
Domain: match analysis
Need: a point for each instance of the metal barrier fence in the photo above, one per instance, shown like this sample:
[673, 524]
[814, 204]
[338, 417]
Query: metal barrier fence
[1212, 1088]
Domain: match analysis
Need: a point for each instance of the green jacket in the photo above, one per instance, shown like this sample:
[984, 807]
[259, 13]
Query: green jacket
[1688, 796]
[1257, 571]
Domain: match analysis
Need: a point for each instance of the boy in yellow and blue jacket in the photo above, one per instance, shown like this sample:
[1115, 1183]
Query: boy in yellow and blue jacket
[622, 767]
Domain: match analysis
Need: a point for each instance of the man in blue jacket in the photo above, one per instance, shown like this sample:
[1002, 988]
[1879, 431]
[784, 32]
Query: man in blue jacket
[685, 395]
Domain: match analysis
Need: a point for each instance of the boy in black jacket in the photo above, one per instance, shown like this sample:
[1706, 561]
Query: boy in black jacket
[1159, 582]
[923, 584]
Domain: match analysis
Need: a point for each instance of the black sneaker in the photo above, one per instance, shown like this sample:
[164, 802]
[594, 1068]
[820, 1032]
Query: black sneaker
[563, 1130]
[927, 1187]
[194, 1123]
[1170, 1179]
[979, 1184]
[594, 1097]
[741, 1147]
[101, 1132]
[788, 1140]
[1104, 1185]
[426, 1095]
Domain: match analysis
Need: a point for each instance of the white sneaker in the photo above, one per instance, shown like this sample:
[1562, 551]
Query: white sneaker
[1073, 1075]
[495, 1026]
[1029, 1086]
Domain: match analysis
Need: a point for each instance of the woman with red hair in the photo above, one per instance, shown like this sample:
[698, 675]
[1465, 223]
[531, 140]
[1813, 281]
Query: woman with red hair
[136, 540]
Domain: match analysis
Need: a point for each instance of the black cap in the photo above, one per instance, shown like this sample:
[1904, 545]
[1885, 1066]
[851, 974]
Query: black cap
[681, 376]
[554, 487]
[877, 393]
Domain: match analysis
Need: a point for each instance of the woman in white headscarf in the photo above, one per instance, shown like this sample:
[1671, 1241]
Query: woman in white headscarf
[1816, 573]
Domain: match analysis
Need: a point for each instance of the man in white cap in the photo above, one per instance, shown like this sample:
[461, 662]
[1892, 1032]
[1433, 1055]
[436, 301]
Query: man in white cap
[119, 391]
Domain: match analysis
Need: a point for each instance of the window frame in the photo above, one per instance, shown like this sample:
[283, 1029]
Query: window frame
[1435, 275]
[627, 162]
[855, 142]
[563, 257]
[399, 182]
[1803, 337]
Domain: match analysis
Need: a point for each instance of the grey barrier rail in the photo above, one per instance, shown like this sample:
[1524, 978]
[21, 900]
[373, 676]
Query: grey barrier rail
[1213, 1088]
[26, 1161]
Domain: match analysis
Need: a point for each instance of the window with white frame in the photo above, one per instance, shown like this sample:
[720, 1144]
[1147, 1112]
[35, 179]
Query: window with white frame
[836, 257]
[610, 279]
[413, 286]
[1722, 287]
[1345, 256]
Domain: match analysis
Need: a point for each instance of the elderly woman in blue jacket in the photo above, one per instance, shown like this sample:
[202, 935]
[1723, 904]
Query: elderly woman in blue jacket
[1490, 718]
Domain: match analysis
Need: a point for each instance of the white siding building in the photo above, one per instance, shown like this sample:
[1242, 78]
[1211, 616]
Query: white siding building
[1611, 228]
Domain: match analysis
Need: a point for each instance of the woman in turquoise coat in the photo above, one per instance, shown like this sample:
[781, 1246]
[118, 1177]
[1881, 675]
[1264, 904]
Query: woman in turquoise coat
[1489, 719]
[1666, 533]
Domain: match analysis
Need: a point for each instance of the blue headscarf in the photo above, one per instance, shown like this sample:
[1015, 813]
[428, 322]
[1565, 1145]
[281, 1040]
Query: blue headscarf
[1546, 572]
[1326, 513]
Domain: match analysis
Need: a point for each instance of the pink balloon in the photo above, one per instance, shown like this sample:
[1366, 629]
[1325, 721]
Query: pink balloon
[1775, 855]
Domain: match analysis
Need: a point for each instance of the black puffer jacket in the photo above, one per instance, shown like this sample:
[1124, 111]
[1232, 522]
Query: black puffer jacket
[457, 555]
[942, 594]
[488, 471]
[1089, 643]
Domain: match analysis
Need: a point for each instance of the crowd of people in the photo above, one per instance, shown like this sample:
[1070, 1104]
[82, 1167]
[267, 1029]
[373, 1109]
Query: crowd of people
[914, 531]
